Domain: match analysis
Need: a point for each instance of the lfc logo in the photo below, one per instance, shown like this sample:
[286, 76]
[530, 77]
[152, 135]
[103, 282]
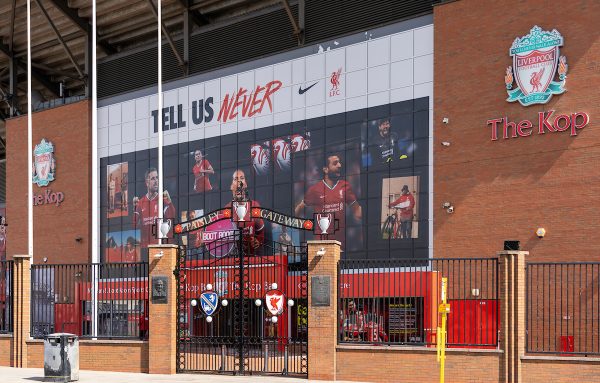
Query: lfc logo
[275, 300]
[44, 165]
[535, 60]
[335, 83]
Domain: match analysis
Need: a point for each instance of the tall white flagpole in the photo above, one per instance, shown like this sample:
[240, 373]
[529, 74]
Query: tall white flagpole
[29, 140]
[95, 179]
[160, 124]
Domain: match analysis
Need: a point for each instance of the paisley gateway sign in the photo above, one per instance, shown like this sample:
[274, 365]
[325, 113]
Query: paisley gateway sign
[256, 212]
[273, 216]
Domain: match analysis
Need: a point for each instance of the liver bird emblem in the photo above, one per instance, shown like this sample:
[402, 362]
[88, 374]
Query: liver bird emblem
[535, 80]
[274, 301]
[335, 78]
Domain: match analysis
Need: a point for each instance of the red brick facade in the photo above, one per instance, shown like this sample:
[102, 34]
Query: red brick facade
[413, 364]
[6, 348]
[101, 355]
[501, 189]
[506, 189]
[56, 227]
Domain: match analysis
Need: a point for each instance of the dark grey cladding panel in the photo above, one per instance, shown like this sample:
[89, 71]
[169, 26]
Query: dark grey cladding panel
[331, 18]
[246, 40]
[138, 70]
[254, 38]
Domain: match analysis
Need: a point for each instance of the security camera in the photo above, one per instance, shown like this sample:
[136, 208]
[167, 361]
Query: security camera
[445, 143]
[540, 232]
[446, 120]
[446, 205]
[450, 210]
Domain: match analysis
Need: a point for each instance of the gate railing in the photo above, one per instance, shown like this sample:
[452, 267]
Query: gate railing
[241, 336]
[396, 301]
[563, 308]
[6, 297]
[62, 295]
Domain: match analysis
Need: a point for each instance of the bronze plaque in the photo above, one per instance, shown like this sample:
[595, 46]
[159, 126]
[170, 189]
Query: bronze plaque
[159, 290]
[320, 290]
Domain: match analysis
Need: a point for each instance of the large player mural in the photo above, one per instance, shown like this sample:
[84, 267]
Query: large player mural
[345, 131]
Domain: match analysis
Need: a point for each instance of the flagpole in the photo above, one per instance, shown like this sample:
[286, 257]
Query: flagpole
[95, 179]
[29, 140]
[160, 125]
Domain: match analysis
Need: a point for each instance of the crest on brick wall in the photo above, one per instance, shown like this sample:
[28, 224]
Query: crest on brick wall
[536, 62]
[44, 164]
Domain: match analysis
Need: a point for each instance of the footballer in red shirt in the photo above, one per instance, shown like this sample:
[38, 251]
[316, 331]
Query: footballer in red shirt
[202, 168]
[405, 210]
[256, 228]
[331, 195]
[146, 209]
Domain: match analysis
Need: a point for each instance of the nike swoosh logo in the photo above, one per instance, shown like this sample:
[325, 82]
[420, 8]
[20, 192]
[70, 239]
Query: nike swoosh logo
[302, 91]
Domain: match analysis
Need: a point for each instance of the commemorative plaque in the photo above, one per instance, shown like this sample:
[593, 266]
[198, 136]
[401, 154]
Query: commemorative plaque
[320, 290]
[159, 290]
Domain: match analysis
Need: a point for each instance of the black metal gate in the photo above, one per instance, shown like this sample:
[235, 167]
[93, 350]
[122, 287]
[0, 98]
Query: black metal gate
[242, 336]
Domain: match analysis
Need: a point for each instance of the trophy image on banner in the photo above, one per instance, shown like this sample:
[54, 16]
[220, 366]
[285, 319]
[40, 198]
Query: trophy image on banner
[161, 228]
[324, 223]
[241, 211]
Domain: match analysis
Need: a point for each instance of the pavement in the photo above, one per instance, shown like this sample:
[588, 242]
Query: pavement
[11, 374]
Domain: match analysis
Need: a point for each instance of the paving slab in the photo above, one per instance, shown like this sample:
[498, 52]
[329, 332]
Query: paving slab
[11, 374]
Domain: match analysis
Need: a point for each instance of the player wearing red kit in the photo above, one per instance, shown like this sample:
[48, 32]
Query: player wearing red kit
[146, 209]
[202, 168]
[405, 204]
[255, 229]
[331, 195]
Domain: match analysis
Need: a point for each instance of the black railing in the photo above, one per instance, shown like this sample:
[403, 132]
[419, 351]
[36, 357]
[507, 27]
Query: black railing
[62, 299]
[6, 297]
[563, 308]
[396, 301]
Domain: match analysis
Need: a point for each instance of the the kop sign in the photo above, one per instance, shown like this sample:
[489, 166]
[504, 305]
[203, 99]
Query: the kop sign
[539, 72]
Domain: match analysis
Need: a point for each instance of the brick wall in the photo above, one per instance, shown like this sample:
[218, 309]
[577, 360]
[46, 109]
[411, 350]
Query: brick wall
[553, 369]
[372, 364]
[6, 348]
[505, 189]
[56, 227]
[100, 355]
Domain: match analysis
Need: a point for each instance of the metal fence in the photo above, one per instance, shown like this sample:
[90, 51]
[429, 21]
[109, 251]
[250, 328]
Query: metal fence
[563, 308]
[62, 296]
[396, 301]
[6, 297]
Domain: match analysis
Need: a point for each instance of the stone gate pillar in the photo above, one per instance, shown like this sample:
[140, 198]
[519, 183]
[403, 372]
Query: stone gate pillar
[512, 313]
[322, 308]
[162, 335]
[21, 309]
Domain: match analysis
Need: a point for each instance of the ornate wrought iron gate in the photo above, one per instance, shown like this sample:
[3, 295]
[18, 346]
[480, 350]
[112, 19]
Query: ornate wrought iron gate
[241, 336]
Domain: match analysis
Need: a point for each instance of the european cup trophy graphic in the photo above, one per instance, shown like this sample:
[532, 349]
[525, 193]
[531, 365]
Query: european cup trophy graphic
[241, 208]
[324, 221]
[165, 226]
[162, 227]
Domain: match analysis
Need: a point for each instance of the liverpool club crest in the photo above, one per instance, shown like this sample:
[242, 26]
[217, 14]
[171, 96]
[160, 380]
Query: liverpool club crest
[44, 165]
[536, 62]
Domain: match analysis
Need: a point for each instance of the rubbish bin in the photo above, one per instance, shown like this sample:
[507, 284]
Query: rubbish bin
[61, 357]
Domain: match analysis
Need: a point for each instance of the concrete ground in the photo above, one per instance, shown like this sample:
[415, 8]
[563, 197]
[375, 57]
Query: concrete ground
[9, 375]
